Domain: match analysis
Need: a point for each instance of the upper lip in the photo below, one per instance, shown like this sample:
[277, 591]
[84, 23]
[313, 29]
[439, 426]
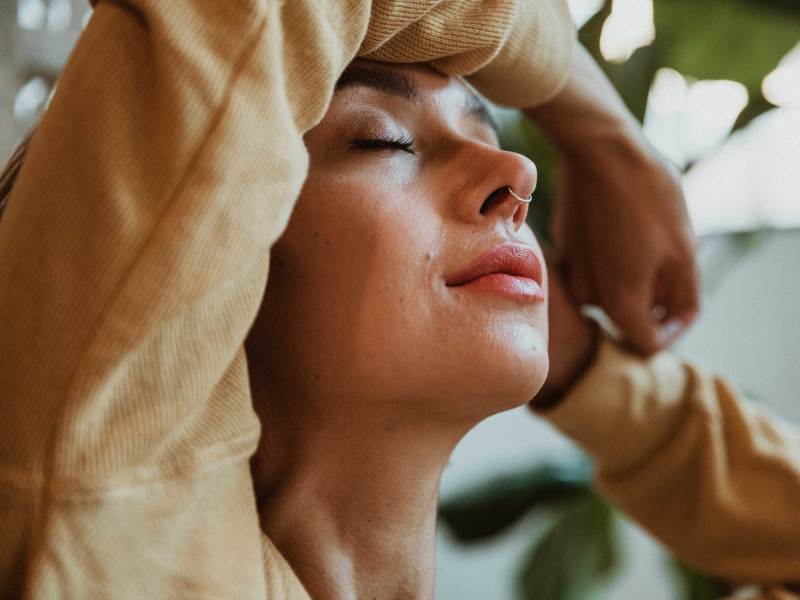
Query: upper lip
[509, 258]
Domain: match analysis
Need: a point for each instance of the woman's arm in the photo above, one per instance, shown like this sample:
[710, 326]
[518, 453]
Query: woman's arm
[713, 477]
[133, 258]
[620, 222]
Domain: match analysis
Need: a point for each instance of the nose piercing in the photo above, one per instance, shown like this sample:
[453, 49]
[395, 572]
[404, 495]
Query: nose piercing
[520, 198]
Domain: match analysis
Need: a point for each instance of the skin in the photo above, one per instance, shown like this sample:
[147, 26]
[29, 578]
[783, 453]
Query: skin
[366, 369]
[618, 193]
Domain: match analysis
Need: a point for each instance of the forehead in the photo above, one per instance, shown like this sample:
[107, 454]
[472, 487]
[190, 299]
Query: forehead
[415, 83]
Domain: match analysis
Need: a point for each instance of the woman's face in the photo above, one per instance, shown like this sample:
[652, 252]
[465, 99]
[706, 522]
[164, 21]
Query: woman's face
[406, 190]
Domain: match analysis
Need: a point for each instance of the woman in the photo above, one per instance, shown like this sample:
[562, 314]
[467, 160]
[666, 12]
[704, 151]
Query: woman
[378, 346]
[136, 245]
[405, 304]
[375, 349]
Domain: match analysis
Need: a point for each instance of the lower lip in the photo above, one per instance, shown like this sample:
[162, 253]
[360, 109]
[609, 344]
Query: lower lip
[510, 286]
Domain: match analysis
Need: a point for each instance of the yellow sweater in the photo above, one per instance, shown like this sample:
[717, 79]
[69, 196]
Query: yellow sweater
[135, 251]
[712, 476]
[134, 254]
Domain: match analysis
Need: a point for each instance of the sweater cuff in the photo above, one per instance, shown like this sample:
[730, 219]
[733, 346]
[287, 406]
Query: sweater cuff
[534, 62]
[608, 411]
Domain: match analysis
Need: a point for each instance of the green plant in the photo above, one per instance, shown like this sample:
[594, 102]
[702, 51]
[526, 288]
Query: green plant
[580, 547]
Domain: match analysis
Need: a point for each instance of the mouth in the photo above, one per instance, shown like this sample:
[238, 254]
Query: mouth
[511, 270]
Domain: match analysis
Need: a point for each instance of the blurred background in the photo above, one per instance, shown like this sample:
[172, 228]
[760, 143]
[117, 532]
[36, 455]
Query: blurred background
[716, 84]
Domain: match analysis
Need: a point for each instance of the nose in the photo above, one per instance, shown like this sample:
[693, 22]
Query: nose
[489, 196]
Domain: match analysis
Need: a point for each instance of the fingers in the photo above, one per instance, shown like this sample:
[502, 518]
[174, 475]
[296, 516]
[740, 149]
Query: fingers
[630, 310]
[579, 281]
[682, 284]
[576, 273]
[572, 340]
[558, 224]
[561, 301]
[653, 313]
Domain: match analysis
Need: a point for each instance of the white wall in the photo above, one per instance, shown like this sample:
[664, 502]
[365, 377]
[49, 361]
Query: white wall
[8, 79]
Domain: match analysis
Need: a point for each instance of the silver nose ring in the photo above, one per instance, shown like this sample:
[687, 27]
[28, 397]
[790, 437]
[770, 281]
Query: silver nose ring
[520, 198]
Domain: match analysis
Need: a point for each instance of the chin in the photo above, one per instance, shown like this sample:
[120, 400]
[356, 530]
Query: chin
[507, 376]
[516, 387]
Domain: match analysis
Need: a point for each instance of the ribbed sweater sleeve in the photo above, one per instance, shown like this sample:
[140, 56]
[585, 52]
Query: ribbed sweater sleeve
[714, 477]
[134, 253]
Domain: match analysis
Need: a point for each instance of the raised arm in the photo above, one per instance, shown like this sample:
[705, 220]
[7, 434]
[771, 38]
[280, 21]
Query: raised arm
[620, 222]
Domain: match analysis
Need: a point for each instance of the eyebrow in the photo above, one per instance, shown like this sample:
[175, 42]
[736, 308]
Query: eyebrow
[398, 84]
[378, 79]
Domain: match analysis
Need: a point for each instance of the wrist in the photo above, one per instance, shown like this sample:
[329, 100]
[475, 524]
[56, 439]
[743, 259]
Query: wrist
[559, 382]
[587, 119]
[603, 143]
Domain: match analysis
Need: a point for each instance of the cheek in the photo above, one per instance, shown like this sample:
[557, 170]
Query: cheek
[398, 298]
[346, 279]
[359, 297]
[415, 337]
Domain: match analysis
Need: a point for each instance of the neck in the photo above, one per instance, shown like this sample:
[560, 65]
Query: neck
[350, 499]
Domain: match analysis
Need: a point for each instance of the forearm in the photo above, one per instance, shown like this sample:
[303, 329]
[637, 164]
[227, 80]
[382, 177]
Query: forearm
[620, 223]
[135, 250]
[711, 476]
[588, 117]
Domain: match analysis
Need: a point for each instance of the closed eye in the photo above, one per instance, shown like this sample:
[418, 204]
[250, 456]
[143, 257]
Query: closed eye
[406, 144]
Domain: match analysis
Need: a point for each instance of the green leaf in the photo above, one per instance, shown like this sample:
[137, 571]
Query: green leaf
[575, 557]
[741, 40]
[724, 39]
[493, 507]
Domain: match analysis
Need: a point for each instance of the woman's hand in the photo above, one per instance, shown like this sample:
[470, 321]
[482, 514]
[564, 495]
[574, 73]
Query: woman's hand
[572, 342]
[621, 228]
[621, 225]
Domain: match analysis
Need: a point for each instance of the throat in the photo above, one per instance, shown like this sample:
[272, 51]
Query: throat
[354, 517]
[363, 562]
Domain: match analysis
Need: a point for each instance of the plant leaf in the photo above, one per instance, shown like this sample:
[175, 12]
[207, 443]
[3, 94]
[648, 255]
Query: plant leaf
[492, 507]
[574, 558]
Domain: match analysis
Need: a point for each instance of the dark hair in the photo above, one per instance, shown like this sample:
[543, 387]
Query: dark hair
[9, 174]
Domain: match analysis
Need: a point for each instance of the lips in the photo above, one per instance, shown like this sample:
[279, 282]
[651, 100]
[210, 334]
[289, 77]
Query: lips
[512, 271]
[513, 260]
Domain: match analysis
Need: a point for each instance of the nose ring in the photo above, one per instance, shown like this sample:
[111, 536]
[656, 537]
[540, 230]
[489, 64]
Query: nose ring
[520, 198]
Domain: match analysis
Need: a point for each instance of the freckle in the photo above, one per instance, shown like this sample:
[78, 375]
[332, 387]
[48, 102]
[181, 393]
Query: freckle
[315, 235]
[402, 299]
[327, 242]
[428, 256]
[316, 376]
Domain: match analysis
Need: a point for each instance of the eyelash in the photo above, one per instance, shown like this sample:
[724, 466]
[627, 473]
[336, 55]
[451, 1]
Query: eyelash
[406, 144]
